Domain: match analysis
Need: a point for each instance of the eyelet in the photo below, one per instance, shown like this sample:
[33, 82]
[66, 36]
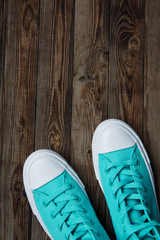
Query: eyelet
[141, 177]
[106, 170]
[145, 202]
[110, 183]
[144, 190]
[138, 163]
[114, 197]
[84, 211]
[72, 185]
[92, 222]
[118, 208]
[51, 215]
[78, 199]
[44, 204]
[98, 234]
[59, 229]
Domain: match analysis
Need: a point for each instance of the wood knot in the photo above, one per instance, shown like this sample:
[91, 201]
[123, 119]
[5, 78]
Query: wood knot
[22, 122]
[87, 76]
[16, 183]
[133, 46]
[17, 189]
[105, 54]
[20, 130]
[101, 60]
[99, 90]
[20, 127]
[28, 16]
[131, 55]
[89, 151]
[81, 79]
[55, 139]
[18, 186]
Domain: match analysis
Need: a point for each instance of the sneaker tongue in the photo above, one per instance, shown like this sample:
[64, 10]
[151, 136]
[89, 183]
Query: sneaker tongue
[54, 185]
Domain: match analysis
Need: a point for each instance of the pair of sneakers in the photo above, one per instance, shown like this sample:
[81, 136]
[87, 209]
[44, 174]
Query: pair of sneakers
[58, 199]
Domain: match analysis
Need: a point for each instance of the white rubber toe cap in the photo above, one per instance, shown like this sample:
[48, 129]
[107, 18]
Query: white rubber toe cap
[114, 138]
[43, 171]
[41, 167]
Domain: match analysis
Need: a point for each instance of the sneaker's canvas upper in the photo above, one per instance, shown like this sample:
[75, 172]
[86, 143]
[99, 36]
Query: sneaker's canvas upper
[58, 199]
[123, 170]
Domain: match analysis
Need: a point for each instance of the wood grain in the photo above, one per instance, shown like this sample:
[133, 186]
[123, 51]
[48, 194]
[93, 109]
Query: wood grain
[152, 88]
[126, 41]
[127, 32]
[2, 54]
[54, 85]
[89, 105]
[2, 81]
[64, 67]
[19, 43]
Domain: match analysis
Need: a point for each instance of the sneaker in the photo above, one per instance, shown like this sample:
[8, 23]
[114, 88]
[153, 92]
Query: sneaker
[58, 199]
[123, 170]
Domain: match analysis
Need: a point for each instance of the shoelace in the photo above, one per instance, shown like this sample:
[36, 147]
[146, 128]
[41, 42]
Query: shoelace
[78, 226]
[130, 188]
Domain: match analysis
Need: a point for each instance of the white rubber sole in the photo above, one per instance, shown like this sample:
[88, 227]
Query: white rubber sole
[96, 138]
[35, 156]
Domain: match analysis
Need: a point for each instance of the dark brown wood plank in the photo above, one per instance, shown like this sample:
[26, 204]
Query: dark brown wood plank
[2, 26]
[152, 88]
[54, 86]
[127, 33]
[18, 88]
[126, 53]
[2, 44]
[89, 105]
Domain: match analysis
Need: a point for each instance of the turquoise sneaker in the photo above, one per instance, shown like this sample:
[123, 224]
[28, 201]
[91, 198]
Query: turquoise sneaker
[58, 199]
[124, 173]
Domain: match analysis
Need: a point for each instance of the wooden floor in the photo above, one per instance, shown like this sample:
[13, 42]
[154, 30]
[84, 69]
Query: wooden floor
[66, 65]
